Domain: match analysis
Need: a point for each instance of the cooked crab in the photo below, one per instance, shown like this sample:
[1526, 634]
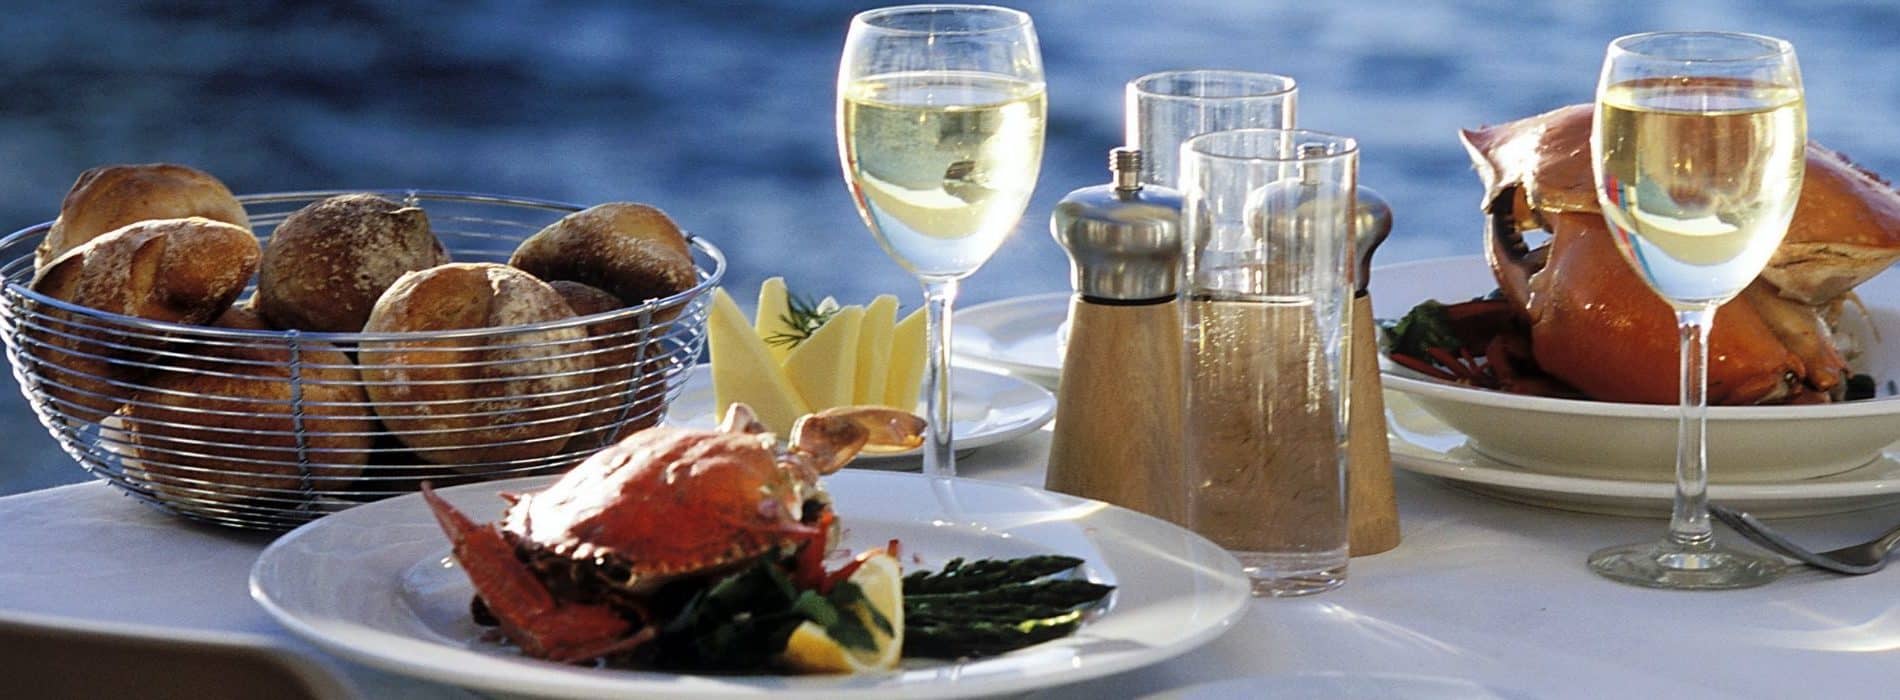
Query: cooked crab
[1595, 326]
[565, 570]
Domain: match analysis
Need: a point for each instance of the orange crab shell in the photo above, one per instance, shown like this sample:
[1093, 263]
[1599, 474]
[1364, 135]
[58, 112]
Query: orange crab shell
[1588, 329]
[668, 501]
[1846, 226]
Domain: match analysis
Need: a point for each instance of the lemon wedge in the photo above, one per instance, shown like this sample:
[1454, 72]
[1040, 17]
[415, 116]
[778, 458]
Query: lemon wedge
[811, 650]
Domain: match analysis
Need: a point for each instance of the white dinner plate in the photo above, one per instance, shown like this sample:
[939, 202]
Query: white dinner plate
[1767, 445]
[1423, 444]
[1021, 335]
[375, 584]
[988, 408]
[1327, 685]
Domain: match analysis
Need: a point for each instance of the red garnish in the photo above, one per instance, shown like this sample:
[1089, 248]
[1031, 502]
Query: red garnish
[843, 572]
[1494, 352]
[809, 573]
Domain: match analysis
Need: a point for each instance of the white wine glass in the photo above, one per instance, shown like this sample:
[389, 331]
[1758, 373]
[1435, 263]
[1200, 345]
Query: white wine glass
[1698, 148]
[940, 125]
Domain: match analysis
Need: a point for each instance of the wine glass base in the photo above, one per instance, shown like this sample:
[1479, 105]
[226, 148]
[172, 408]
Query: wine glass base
[1669, 565]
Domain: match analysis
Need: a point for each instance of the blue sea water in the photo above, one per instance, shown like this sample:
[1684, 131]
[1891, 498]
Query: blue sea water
[721, 112]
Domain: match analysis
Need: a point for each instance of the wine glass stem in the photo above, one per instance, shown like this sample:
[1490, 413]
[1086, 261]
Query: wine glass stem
[1689, 522]
[939, 296]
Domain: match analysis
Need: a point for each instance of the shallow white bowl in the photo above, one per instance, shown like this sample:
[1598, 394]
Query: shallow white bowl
[1747, 444]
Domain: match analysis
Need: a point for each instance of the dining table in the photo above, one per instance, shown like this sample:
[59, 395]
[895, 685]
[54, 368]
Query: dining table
[1482, 598]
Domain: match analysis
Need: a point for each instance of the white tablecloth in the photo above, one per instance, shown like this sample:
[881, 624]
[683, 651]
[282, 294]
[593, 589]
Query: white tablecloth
[1491, 594]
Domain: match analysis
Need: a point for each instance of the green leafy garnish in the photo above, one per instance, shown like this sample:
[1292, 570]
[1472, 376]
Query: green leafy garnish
[1425, 326]
[804, 317]
[739, 623]
[742, 621]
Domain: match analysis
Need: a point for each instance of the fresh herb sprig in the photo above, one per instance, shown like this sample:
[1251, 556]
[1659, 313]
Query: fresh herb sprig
[804, 317]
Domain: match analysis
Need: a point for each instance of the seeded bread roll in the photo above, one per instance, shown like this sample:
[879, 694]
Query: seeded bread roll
[327, 263]
[224, 427]
[110, 196]
[633, 251]
[176, 270]
[629, 367]
[480, 400]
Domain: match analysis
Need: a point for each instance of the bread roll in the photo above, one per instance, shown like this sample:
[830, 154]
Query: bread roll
[586, 300]
[327, 263]
[629, 362]
[176, 270]
[223, 427]
[110, 196]
[633, 251]
[485, 399]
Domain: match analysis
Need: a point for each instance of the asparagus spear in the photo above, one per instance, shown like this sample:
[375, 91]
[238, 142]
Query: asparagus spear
[1062, 593]
[991, 607]
[958, 576]
[1003, 612]
[951, 640]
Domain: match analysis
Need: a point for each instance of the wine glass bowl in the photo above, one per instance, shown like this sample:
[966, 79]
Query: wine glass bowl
[1697, 146]
[941, 113]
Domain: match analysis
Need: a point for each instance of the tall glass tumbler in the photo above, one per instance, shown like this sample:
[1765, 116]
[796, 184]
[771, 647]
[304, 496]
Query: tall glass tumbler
[1269, 240]
[1165, 109]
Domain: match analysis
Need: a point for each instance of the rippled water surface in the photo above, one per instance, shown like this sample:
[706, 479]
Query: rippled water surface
[721, 112]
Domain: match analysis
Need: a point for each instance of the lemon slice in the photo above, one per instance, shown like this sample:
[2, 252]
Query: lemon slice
[811, 650]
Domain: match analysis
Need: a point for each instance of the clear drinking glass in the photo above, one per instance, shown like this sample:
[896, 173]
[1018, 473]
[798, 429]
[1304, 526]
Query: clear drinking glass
[1268, 238]
[1165, 109]
[941, 112]
[1698, 150]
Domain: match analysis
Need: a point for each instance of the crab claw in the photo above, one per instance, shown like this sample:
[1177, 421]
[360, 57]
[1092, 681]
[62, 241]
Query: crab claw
[1512, 260]
[826, 440]
[529, 614]
[740, 418]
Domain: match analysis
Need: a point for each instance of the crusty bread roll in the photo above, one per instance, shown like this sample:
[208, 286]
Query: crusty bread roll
[586, 300]
[175, 270]
[223, 427]
[633, 251]
[490, 398]
[327, 263]
[110, 196]
[629, 363]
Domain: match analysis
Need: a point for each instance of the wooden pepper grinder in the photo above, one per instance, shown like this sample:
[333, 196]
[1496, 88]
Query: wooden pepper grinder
[1118, 410]
[1373, 509]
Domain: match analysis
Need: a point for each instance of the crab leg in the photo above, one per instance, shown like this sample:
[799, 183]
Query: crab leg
[529, 614]
[1423, 367]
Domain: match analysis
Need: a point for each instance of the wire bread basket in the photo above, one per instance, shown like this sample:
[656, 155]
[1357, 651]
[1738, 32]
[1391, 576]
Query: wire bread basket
[270, 429]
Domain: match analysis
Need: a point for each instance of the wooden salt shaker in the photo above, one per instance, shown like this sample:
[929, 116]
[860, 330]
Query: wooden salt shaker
[1118, 410]
[1372, 506]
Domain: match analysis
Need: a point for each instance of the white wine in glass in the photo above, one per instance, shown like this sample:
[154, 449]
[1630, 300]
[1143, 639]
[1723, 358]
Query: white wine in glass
[1699, 146]
[941, 115]
[1706, 173]
[942, 163]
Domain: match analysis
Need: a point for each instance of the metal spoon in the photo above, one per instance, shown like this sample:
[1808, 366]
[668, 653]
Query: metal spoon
[1864, 558]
